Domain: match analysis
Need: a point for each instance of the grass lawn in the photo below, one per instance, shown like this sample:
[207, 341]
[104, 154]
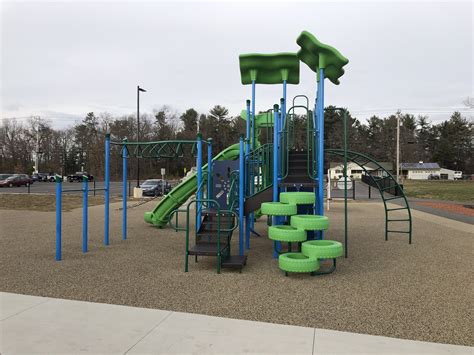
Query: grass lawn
[461, 191]
[44, 202]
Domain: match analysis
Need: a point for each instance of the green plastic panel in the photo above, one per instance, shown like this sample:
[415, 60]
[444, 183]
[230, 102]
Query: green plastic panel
[269, 68]
[317, 55]
[264, 119]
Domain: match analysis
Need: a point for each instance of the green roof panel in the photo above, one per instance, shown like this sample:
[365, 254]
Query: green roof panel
[269, 68]
[317, 55]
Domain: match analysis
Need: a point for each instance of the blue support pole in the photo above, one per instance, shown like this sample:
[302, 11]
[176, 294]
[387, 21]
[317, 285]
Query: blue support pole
[247, 131]
[107, 188]
[248, 174]
[241, 194]
[275, 166]
[283, 108]
[320, 117]
[59, 192]
[275, 152]
[85, 217]
[254, 143]
[124, 190]
[281, 138]
[199, 181]
[209, 169]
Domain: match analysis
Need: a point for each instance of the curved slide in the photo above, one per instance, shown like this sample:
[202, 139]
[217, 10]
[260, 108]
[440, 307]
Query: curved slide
[179, 195]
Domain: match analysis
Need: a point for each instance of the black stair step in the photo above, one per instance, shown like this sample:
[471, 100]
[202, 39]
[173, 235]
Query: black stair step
[207, 249]
[212, 233]
[298, 184]
[235, 262]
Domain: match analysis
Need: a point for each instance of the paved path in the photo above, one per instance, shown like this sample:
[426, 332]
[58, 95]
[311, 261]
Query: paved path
[47, 325]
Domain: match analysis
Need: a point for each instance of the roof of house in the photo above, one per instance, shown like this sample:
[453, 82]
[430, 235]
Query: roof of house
[419, 166]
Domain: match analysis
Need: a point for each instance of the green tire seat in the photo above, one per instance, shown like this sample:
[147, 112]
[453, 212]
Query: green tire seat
[322, 249]
[298, 198]
[310, 222]
[297, 262]
[279, 209]
[286, 234]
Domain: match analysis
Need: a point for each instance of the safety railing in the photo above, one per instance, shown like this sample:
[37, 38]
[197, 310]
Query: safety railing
[259, 169]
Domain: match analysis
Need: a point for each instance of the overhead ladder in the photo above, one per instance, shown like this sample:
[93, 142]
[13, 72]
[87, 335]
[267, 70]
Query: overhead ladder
[390, 191]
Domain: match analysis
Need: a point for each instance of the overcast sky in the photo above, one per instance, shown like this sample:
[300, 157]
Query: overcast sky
[61, 60]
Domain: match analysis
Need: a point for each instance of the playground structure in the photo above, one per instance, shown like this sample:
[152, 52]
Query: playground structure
[269, 172]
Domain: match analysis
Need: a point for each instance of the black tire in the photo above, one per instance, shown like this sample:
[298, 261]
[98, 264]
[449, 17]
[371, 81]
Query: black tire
[10, 185]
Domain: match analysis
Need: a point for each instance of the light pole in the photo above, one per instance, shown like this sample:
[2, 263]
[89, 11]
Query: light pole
[398, 148]
[139, 89]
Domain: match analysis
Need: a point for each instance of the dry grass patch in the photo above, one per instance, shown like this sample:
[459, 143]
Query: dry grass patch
[46, 203]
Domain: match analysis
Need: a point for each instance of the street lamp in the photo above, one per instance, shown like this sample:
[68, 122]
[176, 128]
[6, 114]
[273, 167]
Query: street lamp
[139, 89]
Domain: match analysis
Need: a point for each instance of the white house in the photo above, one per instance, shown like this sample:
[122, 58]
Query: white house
[425, 171]
[354, 170]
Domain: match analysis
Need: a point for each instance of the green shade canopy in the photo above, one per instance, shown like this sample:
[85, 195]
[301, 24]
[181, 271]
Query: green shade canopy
[269, 68]
[317, 55]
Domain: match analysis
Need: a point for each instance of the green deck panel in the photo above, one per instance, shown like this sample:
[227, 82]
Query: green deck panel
[269, 68]
[317, 55]
[262, 120]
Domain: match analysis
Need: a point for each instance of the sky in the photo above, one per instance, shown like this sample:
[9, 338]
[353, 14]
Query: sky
[60, 60]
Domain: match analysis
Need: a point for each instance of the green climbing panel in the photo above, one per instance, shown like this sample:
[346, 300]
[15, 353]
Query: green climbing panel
[269, 68]
[317, 55]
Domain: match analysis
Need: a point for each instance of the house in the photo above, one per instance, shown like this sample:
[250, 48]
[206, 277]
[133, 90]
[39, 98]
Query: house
[355, 171]
[420, 170]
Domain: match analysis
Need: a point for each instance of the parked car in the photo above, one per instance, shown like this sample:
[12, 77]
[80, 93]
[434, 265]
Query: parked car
[433, 177]
[16, 180]
[41, 177]
[457, 175]
[155, 187]
[4, 176]
[77, 177]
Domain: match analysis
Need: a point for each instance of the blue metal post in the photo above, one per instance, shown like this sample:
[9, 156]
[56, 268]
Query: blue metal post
[199, 181]
[59, 192]
[209, 169]
[107, 188]
[254, 143]
[276, 125]
[320, 144]
[85, 217]
[247, 130]
[124, 190]
[248, 174]
[275, 152]
[283, 108]
[241, 194]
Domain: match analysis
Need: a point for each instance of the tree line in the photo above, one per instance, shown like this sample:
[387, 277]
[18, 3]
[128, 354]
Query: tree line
[81, 146]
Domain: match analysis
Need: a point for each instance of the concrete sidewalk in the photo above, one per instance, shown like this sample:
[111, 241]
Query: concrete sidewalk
[31, 324]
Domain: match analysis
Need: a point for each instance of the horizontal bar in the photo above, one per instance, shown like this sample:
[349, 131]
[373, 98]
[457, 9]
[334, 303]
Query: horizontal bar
[82, 190]
[397, 220]
[392, 198]
[398, 232]
[396, 209]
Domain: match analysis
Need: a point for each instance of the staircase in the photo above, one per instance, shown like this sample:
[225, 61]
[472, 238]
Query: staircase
[298, 170]
[213, 238]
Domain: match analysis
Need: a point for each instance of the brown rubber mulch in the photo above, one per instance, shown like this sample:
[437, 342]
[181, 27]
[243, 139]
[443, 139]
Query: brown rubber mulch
[421, 291]
[451, 207]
